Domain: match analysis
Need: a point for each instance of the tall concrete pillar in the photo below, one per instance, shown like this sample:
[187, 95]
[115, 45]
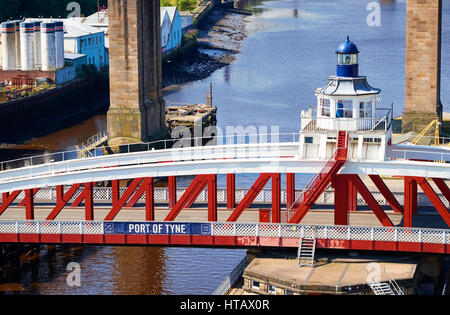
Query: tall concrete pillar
[423, 66]
[137, 110]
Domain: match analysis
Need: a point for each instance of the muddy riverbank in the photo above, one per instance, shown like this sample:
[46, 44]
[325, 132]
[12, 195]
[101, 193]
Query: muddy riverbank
[219, 40]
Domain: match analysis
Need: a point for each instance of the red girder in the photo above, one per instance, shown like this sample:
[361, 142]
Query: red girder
[410, 200]
[290, 190]
[122, 200]
[212, 198]
[311, 197]
[89, 201]
[197, 192]
[22, 203]
[80, 198]
[371, 202]
[149, 199]
[435, 200]
[115, 191]
[8, 199]
[192, 192]
[172, 183]
[63, 201]
[440, 183]
[136, 196]
[231, 191]
[384, 190]
[250, 196]
[276, 198]
[29, 204]
[341, 199]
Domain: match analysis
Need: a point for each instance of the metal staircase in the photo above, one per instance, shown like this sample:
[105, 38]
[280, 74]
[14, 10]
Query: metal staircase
[306, 250]
[381, 288]
[386, 288]
[320, 182]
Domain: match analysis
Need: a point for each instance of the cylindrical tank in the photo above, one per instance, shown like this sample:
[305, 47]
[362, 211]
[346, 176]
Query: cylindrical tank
[48, 47]
[27, 54]
[8, 46]
[17, 29]
[59, 42]
[37, 45]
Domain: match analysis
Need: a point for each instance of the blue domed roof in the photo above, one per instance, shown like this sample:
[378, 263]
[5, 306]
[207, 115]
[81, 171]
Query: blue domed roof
[347, 47]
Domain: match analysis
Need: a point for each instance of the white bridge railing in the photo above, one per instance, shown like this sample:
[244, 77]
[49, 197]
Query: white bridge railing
[241, 151]
[360, 233]
[161, 195]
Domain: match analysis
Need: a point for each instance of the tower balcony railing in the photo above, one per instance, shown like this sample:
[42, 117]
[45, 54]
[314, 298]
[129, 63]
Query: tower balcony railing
[315, 120]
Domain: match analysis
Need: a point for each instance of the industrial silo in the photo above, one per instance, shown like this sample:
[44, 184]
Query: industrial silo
[48, 47]
[8, 46]
[37, 44]
[27, 45]
[17, 32]
[59, 42]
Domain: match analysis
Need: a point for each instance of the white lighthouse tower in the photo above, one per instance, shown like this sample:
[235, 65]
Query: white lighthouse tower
[346, 103]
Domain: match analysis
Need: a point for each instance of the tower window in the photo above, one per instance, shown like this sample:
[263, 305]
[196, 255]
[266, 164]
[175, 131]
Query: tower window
[344, 108]
[347, 59]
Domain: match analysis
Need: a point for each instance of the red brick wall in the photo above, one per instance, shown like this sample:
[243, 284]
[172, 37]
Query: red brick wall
[9, 74]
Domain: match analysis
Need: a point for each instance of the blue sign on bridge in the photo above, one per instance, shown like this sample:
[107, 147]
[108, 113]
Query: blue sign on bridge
[154, 228]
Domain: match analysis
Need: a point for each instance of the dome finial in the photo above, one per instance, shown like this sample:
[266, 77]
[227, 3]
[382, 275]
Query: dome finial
[348, 38]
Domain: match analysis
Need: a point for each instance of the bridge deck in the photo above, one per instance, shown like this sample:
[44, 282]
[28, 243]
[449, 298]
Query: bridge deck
[321, 216]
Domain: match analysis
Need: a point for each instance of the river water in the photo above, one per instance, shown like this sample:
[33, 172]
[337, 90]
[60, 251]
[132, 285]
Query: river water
[288, 52]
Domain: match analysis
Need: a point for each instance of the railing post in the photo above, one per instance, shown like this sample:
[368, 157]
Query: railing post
[17, 227]
[372, 234]
[349, 233]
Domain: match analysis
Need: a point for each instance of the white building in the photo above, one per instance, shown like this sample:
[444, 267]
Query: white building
[80, 38]
[347, 103]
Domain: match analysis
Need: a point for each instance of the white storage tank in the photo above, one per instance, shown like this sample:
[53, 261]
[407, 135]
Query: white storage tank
[8, 46]
[48, 47]
[17, 32]
[37, 45]
[27, 54]
[59, 42]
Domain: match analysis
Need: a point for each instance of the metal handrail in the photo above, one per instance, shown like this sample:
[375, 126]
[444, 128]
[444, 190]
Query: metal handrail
[301, 197]
[284, 230]
[49, 158]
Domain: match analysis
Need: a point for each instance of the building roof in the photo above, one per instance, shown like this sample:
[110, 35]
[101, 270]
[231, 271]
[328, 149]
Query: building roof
[98, 19]
[346, 86]
[73, 27]
[171, 11]
[347, 47]
[71, 56]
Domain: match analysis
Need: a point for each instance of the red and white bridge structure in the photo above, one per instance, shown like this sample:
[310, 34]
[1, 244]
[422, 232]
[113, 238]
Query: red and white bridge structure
[342, 141]
[63, 182]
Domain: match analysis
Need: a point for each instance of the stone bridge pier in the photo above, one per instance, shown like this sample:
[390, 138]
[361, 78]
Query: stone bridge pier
[423, 64]
[137, 110]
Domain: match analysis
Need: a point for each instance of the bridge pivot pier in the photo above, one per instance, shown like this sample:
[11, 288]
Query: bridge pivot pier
[137, 107]
[423, 64]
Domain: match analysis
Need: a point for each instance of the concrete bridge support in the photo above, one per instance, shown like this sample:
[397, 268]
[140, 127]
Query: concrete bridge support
[423, 66]
[137, 110]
